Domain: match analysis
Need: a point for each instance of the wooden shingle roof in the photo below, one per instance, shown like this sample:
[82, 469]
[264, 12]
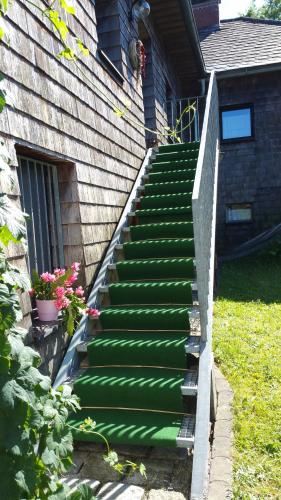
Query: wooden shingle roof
[241, 42]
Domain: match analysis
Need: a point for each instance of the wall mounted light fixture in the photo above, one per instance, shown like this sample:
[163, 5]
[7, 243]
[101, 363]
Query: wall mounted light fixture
[140, 10]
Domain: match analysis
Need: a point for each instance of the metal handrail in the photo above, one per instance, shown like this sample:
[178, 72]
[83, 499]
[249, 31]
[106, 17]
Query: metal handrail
[175, 108]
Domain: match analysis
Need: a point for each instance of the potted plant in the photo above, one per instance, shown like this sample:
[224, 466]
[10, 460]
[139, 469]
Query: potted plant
[55, 292]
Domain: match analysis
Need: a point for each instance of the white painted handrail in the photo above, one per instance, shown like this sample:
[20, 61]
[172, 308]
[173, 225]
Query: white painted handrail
[204, 201]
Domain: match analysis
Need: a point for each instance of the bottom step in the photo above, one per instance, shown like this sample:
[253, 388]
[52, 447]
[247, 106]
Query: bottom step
[141, 428]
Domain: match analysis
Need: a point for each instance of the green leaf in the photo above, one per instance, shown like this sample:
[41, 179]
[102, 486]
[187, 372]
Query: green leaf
[82, 47]
[68, 54]
[58, 24]
[67, 6]
[119, 112]
[83, 492]
[20, 480]
[2, 98]
[4, 4]
[2, 28]
[142, 470]
[70, 321]
[11, 392]
[16, 278]
[12, 221]
[111, 458]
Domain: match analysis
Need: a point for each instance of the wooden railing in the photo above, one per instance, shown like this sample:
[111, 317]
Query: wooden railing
[204, 201]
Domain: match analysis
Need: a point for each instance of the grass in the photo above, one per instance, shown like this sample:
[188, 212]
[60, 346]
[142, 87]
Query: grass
[247, 346]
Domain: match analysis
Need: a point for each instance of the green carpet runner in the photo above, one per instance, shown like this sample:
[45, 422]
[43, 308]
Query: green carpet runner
[137, 362]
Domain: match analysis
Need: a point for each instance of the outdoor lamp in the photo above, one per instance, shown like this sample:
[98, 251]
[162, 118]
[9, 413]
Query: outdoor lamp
[140, 10]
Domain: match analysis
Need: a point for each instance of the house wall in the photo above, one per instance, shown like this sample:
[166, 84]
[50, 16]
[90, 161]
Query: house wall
[249, 172]
[57, 113]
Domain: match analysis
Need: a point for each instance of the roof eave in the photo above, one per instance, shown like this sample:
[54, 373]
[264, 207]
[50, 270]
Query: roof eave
[247, 70]
[190, 23]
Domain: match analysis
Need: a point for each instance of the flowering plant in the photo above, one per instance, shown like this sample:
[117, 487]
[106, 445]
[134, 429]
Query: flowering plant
[59, 287]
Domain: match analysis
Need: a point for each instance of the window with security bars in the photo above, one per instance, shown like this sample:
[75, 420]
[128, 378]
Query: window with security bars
[40, 200]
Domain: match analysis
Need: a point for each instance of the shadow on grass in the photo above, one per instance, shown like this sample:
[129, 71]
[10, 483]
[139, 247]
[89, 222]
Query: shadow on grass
[251, 279]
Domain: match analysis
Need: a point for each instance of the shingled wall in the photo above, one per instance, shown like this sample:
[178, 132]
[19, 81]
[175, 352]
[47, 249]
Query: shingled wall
[61, 118]
[249, 171]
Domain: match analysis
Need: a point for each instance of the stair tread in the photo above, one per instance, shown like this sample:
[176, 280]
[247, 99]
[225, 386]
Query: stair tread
[158, 248]
[166, 196]
[161, 268]
[142, 387]
[151, 292]
[165, 200]
[136, 427]
[132, 348]
[163, 210]
[183, 146]
[160, 230]
[171, 175]
[145, 317]
[171, 187]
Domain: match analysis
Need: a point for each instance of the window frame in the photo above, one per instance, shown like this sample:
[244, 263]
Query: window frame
[233, 222]
[234, 107]
[104, 59]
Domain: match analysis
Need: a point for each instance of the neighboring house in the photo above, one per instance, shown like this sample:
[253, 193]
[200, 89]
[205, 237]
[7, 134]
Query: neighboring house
[245, 53]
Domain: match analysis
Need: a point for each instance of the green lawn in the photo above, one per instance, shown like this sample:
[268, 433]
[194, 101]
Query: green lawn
[247, 346]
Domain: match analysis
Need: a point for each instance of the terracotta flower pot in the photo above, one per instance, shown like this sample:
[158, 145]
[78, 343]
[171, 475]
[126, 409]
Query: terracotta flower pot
[47, 310]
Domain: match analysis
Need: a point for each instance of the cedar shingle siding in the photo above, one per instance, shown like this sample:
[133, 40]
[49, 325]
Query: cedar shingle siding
[63, 119]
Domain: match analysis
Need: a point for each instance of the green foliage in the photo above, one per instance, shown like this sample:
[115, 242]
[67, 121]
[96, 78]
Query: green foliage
[247, 346]
[12, 221]
[270, 10]
[35, 442]
[111, 458]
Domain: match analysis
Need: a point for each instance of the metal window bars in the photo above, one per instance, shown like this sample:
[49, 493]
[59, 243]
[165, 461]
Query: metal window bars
[40, 200]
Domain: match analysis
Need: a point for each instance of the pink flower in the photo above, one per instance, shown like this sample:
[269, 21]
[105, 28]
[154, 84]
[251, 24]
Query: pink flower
[62, 303]
[31, 292]
[48, 278]
[59, 272]
[72, 279]
[69, 290]
[79, 291]
[60, 291]
[93, 313]
[76, 267]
